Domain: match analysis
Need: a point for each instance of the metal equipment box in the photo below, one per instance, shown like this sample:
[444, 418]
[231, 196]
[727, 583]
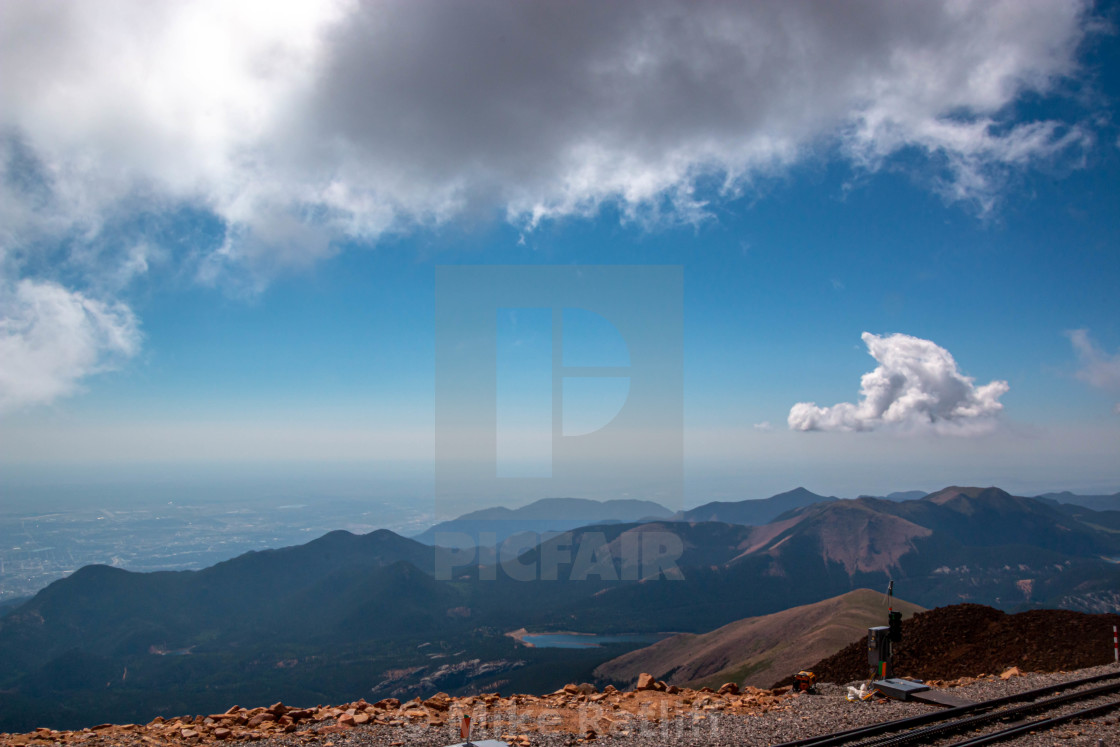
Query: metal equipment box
[898, 689]
[878, 646]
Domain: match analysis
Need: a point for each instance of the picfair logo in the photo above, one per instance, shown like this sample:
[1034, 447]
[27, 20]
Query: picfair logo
[558, 381]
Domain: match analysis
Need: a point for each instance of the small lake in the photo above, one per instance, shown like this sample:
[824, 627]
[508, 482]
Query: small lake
[580, 640]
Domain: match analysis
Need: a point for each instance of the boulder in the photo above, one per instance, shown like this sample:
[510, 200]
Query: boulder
[645, 682]
[438, 702]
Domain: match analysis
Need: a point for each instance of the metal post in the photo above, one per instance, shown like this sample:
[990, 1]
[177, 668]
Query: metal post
[1115, 645]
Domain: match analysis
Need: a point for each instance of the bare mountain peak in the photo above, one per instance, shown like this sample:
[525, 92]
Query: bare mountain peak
[798, 492]
[758, 650]
[755, 512]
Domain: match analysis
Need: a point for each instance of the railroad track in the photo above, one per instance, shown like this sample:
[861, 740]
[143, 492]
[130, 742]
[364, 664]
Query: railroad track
[938, 725]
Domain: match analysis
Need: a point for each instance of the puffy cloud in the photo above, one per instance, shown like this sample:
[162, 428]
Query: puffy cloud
[51, 338]
[916, 385]
[1098, 368]
[297, 123]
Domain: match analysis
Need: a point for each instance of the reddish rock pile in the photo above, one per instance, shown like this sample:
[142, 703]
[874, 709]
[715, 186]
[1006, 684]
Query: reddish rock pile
[575, 709]
[967, 640]
[237, 723]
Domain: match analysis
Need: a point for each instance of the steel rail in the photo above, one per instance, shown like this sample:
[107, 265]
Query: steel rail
[843, 737]
[1040, 725]
[938, 731]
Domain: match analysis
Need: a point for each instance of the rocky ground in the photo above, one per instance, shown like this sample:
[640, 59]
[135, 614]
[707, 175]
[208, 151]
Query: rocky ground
[971, 639]
[651, 716]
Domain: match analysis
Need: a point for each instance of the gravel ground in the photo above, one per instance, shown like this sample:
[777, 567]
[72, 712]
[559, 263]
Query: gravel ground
[805, 716]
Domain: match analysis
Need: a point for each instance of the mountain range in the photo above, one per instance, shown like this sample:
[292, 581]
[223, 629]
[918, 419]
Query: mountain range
[370, 616]
[754, 512]
[1095, 502]
[495, 525]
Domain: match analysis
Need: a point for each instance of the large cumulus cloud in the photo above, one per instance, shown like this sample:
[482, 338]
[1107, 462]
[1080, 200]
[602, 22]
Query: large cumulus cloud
[368, 117]
[294, 125]
[916, 386]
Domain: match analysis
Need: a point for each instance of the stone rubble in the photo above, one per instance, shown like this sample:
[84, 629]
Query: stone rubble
[576, 715]
[577, 709]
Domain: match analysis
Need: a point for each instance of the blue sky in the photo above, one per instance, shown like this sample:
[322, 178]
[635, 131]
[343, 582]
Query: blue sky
[219, 247]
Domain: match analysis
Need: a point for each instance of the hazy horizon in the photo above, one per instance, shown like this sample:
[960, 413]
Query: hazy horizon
[54, 488]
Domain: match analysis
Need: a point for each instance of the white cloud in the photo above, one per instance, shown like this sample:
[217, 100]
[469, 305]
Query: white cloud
[52, 338]
[764, 426]
[916, 386]
[297, 123]
[1098, 368]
